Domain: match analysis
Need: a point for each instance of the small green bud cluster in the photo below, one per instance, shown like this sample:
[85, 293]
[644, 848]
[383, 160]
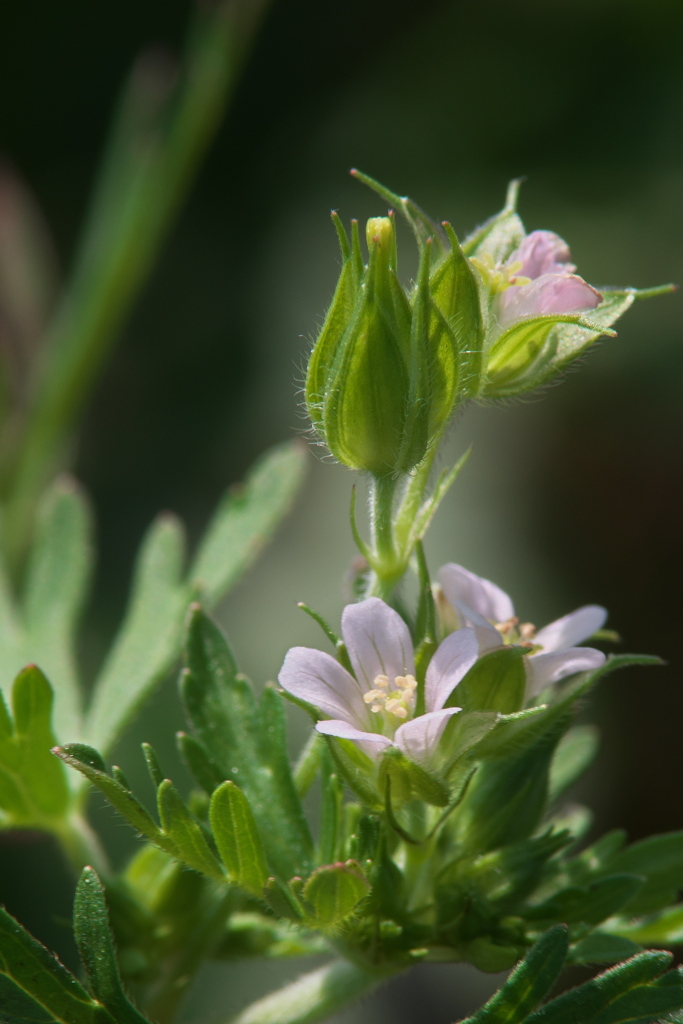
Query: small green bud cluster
[390, 366]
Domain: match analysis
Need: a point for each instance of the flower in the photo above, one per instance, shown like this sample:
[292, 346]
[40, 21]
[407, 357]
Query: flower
[537, 279]
[376, 709]
[484, 607]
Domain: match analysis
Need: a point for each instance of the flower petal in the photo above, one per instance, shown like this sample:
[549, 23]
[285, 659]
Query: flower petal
[371, 743]
[320, 680]
[419, 738]
[544, 669]
[542, 252]
[377, 640]
[571, 629]
[463, 587]
[547, 294]
[451, 661]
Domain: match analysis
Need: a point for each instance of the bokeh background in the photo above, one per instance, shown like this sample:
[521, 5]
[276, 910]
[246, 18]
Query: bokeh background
[571, 497]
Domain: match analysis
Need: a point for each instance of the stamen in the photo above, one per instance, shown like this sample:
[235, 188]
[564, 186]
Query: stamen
[527, 631]
[397, 702]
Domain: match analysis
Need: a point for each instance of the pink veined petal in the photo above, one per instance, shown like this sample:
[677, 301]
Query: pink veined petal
[571, 629]
[452, 660]
[544, 669]
[419, 738]
[378, 642]
[547, 294]
[320, 680]
[371, 743]
[543, 252]
[463, 587]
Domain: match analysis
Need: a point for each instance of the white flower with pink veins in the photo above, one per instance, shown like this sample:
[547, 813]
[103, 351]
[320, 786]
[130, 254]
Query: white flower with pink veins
[537, 279]
[482, 606]
[375, 707]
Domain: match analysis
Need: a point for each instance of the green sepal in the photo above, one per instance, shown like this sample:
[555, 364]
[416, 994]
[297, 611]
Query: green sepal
[531, 980]
[496, 682]
[421, 224]
[33, 971]
[185, 834]
[575, 752]
[602, 948]
[236, 836]
[409, 780]
[455, 293]
[357, 770]
[96, 948]
[246, 743]
[501, 234]
[332, 810]
[334, 891]
[282, 901]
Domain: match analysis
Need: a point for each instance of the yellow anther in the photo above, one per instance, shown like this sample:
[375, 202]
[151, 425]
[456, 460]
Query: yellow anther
[507, 626]
[397, 707]
[373, 695]
[527, 631]
[381, 681]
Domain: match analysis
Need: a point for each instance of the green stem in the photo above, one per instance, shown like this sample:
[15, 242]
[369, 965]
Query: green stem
[313, 997]
[386, 562]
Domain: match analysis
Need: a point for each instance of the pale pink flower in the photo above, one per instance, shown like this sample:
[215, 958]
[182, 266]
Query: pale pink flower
[375, 707]
[482, 606]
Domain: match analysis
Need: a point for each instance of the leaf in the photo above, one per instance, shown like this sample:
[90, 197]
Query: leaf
[89, 763]
[40, 776]
[591, 905]
[37, 973]
[236, 836]
[246, 744]
[96, 948]
[660, 860]
[528, 983]
[496, 682]
[246, 519]
[185, 834]
[575, 752]
[334, 891]
[602, 947]
[148, 641]
[58, 574]
[590, 1001]
[663, 929]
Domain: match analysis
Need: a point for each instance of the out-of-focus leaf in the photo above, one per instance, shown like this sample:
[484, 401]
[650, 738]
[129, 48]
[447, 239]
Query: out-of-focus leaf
[663, 929]
[333, 892]
[148, 640]
[236, 836]
[591, 905]
[495, 682]
[602, 947]
[36, 973]
[246, 743]
[246, 519]
[659, 859]
[499, 236]
[96, 948]
[528, 983]
[574, 754]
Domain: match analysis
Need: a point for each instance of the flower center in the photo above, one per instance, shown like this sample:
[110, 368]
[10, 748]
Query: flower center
[499, 276]
[398, 701]
[514, 632]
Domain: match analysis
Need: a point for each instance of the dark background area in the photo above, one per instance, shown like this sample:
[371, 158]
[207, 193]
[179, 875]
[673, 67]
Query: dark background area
[572, 498]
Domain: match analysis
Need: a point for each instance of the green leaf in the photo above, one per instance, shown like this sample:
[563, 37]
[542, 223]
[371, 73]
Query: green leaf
[660, 860]
[236, 836]
[528, 983]
[96, 948]
[246, 519]
[204, 771]
[331, 811]
[663, 929]
[496, 682]
[602, 947]
[57, 579]
[246, 743]
[18, 1007]
[39, 975]
[185, 834]
[590, 905]
[575, 752]
[282, 901]
[334, 891]
[89, 763]
[590, 1001]
[148, 641]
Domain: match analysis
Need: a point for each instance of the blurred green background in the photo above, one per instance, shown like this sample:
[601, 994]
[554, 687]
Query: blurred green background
[572, 497]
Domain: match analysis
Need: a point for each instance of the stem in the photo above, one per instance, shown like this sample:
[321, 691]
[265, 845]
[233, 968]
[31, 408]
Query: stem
[387, 565]
[312, 997]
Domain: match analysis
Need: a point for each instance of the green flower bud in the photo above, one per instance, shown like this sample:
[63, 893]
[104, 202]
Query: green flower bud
[383, 376]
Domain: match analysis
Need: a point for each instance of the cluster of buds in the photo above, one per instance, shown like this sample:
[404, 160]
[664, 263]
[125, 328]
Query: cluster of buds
[494, 317]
